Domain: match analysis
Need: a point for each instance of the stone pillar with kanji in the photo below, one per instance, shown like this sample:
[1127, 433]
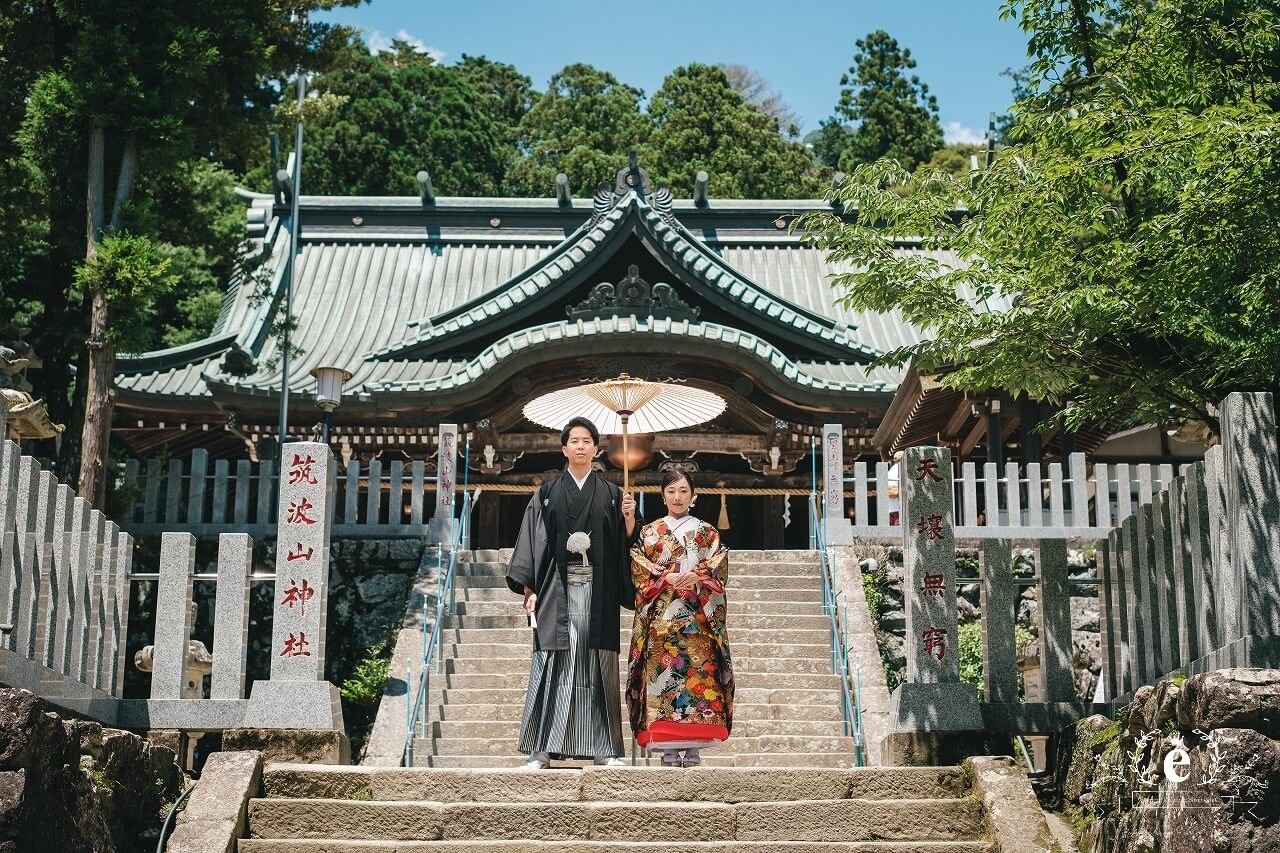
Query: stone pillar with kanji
[929, 557]
[931, 699]
[442, 523]
[839, 531]
[298, 696]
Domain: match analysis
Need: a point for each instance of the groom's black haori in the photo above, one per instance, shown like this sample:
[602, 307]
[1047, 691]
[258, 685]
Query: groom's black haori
[575, 651]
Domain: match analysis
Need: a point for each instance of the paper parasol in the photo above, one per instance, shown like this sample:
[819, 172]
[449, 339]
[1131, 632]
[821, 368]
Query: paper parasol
[615, 405]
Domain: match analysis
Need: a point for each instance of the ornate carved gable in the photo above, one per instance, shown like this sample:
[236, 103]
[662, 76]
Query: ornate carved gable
[633, 295]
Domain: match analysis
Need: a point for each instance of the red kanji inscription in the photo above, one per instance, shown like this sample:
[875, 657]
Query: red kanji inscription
[298, 512]
[300, 470]
[933, 585]
[298, 595]
[299, 554]
[928, 468]
[295, 647]
[931, 525]
[935, 642]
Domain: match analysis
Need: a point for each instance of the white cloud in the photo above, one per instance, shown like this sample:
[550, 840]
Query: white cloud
[379, 42]
[955, 132]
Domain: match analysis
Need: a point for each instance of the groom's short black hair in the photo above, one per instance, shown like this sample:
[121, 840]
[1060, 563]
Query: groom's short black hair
[579, 422]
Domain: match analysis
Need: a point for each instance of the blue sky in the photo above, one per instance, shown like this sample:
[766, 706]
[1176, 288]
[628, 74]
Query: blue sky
[801, 49]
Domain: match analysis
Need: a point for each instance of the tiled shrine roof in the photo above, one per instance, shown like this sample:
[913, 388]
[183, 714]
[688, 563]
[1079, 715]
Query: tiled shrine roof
[414, 298]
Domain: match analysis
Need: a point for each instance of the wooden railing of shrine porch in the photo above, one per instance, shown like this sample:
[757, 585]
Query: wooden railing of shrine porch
[372, 499]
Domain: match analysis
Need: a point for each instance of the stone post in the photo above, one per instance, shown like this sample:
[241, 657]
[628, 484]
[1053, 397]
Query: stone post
[1128, 564]
[1054, 595]
[9, 590]
[1186, 603]
[932, 699]
[1146, 605]
[1203, 591]
[173, 615]
[999, 651]
[1251, 471]
[1162, 528]
[297, 695]
[838, 529]
[1108, 621]
[231, 616]
[1221, 576]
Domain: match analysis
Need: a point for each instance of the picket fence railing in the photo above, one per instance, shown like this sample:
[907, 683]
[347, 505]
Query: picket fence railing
[1038, 501]
[371, 499]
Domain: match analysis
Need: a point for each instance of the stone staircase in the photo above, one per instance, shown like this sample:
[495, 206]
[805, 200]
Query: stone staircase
[313, 809]
[787, 710]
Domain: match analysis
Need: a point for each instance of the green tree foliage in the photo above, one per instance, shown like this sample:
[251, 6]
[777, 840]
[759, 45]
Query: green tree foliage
[104, 98]
[398, 112]
[583, 125]
[132, 275]
[955, 159]
[1122, 248]
[504, 95]
[702, 122]
[892, 114]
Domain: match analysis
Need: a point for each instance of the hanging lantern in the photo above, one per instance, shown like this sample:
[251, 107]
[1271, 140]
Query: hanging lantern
[636, 455]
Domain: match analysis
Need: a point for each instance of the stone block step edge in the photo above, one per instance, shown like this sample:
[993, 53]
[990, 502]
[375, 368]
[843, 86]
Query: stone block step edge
[732, 784]
[621, 820]
[309, 845]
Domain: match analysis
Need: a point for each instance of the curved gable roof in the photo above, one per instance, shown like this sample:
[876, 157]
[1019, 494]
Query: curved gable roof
[552, 277]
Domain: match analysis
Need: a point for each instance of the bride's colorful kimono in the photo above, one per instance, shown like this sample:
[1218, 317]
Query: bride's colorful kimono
[680, 676]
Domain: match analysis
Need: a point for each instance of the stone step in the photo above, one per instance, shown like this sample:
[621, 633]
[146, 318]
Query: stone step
[744, 665]
[506, 729]
[736, 745]
[736, 582]
[510, 714]
[519, 679]
[807, 617]
[510, 606]
[747, 695]
[306, 845]
[503, 555]
[741, 651]
[738, 633]
[796, 820]
[628, 784]
[742, 761]
[737, 595]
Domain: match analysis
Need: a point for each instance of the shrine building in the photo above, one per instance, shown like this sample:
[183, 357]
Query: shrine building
[461, 310]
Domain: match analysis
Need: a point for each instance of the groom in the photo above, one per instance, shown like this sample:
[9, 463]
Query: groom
[572, 709]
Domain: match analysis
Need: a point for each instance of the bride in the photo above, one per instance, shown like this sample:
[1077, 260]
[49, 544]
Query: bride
[680, 678]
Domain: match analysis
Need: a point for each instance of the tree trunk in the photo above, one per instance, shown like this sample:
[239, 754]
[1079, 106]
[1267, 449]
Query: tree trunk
[99, 402]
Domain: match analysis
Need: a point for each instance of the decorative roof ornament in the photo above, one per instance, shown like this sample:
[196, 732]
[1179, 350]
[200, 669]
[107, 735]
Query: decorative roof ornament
[601, 204]
[633, 295]
[632, 178]
[663, 204]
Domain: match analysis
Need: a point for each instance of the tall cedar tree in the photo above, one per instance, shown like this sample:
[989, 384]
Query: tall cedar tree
[702, 122]
[583, 126]
[892, 115]
[395, 113]
[1120, 257]
[122, 89]
[505, 96]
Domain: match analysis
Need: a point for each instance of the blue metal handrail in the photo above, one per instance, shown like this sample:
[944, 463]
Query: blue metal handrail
[432, 629]
[850, 702]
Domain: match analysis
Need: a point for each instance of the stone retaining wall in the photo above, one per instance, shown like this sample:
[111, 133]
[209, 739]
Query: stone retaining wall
[72, 786]
[1218, 734]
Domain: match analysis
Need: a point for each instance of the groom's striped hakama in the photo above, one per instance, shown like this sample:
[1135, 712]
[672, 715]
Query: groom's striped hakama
[572, 707]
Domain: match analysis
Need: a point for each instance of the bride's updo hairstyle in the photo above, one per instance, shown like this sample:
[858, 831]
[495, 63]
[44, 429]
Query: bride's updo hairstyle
[677, 476]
